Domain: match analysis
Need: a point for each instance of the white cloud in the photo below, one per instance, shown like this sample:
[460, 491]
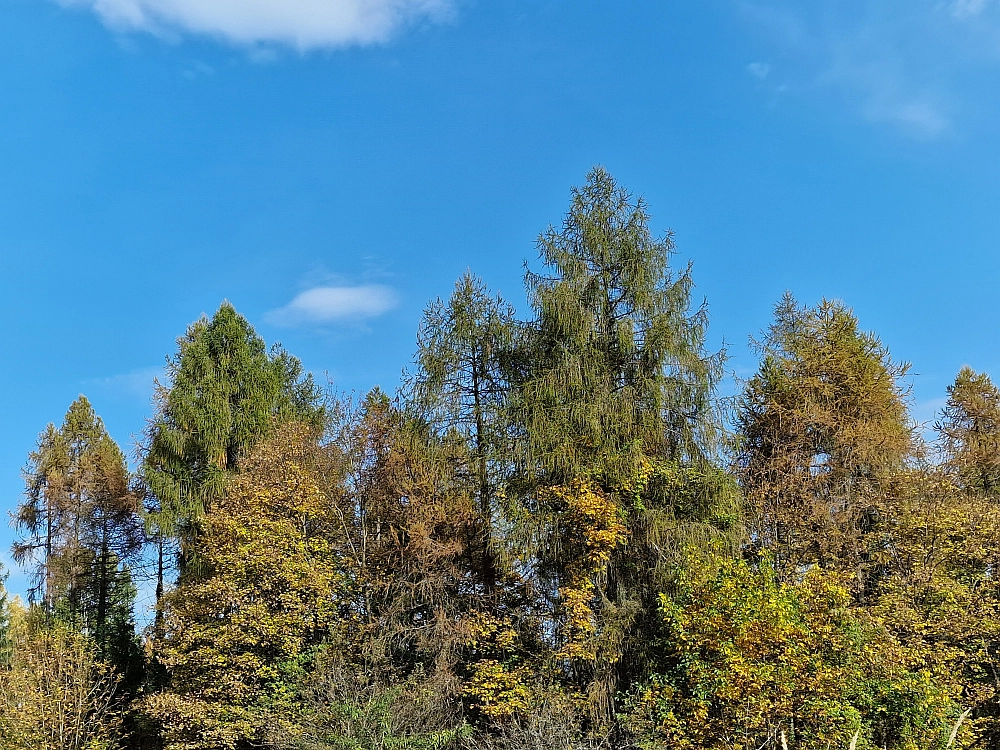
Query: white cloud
[332, 304]
[905, 65]
[759, 70]
[303, 24]
[968, 8]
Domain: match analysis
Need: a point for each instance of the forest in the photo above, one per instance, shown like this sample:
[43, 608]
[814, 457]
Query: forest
[558, 534]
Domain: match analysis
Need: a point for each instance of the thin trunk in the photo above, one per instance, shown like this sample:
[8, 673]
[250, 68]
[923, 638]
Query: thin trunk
[489, 563]
[48, 556]
[158, 619]
[102, 592]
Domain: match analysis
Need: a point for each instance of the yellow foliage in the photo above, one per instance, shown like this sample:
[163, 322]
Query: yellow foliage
[593, 529]
[53, 694]
[748, 658]
[498, 690]
[236, 638]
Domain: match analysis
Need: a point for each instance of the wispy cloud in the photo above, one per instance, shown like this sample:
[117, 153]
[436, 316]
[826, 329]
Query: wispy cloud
[334, 304]
[968, 8]
[136, 385]
[899, 64]
[303, 24]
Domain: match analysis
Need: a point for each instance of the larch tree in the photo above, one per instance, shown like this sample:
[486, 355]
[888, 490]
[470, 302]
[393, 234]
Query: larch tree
[940, 591]
[823, 425]
[460, 386]
[415, 536]
[615, 425]
[969, 428]
[81, 530]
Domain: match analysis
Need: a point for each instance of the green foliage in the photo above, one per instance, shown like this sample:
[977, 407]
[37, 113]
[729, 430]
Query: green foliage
[346, 714]
[225, 392]
[460, 387]
[612, 388]
[614, 368]
[746, 659]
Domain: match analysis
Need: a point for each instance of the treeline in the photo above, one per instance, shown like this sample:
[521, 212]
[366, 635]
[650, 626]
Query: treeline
[556, 535]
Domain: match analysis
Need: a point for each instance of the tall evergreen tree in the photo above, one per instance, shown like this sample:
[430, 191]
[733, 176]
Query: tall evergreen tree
[225, 391]
[615, 419]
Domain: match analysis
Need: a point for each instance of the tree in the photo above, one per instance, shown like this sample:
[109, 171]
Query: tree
[54, 694]
[81, 530]
[415, 534]
[970, 431]
[226, 392]
[937, 588]
[318, 557]
[238, 637]
[460, 386]
[748, 662]
[615, 426]
[822, 427]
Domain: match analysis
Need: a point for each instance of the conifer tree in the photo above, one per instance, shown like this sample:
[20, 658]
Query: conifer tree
[823, 426]
[460, 386]
[614, 414]
[970, 431]
[415, 534]
[224, 393]
[80, 529]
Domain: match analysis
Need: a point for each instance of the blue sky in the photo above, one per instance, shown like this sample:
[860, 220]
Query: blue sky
[331, 165]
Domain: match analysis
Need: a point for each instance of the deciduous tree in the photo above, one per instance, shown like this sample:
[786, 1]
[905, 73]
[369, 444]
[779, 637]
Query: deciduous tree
[615, 423]
[823, 426]
[80, 530]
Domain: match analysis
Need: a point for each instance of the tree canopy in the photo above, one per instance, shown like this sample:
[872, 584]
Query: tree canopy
[558, 533]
